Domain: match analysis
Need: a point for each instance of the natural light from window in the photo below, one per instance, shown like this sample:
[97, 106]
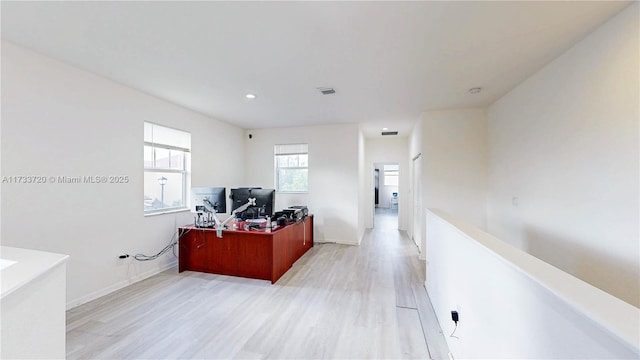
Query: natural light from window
[391, 174]
[167, 163]
[292, 168]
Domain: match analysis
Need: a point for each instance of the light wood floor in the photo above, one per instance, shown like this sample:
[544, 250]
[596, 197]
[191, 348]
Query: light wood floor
[338, 301]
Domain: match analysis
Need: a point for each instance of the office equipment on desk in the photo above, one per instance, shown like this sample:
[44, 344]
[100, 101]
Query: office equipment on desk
[264, 202]
[263, 253]
[292, 213]
[206, 202]
[252, 226]
[302, 208]
[246, 203]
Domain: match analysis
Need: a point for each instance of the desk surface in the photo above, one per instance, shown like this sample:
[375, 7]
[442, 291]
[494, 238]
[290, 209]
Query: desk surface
[239, 226]
[264, 253]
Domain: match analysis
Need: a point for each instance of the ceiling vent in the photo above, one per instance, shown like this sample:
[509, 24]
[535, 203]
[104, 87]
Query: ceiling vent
[386, 133]
[326, 91]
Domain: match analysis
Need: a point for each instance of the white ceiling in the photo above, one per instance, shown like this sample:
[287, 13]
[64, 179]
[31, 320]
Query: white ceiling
[388, 61]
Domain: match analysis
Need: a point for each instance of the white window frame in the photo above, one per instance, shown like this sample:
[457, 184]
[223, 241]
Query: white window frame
[185, 171]
[278, 167]
[391, 171]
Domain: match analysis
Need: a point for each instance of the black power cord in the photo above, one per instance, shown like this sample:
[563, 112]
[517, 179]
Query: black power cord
[454, 331]
[454, 317]
[143, 257]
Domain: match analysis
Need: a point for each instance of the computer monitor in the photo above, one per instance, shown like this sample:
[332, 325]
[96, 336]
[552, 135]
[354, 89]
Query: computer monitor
[239, 197]
[265, 200]
[205, 199]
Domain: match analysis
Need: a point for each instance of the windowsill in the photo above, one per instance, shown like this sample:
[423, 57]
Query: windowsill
[170, 211]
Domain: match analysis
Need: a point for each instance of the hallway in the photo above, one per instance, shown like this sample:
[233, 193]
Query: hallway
[409, 277]
[337, 301]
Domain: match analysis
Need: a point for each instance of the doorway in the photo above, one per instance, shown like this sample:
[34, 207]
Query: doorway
[386, 194]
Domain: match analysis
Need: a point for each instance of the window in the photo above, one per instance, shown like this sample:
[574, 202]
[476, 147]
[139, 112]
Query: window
[292, 167]
[391, 173]
[167, 163]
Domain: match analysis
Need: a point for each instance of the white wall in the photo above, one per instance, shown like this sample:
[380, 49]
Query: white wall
[362, 186]
[512, 305]
[58, 120]
[390, 151]
[454, 165]
[565, 144]
[333, 195]
[416, 228]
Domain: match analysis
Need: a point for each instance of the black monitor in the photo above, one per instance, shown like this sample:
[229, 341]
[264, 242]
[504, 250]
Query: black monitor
[205, 198]
[265, 200]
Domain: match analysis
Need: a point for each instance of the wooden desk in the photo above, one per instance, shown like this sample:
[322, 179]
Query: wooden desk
[259, 254]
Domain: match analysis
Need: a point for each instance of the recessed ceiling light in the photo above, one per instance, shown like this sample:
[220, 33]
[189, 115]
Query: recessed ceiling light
[385, 128]
[250, 96]
[475, 90]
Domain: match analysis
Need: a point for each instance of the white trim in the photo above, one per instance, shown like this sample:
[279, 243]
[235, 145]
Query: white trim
[162, 212]
[161, 170]
[616, 317]
[120, 285]
[168, 147]
[335, 241]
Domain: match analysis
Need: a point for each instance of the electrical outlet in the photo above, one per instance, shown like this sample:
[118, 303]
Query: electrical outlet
[454, 316]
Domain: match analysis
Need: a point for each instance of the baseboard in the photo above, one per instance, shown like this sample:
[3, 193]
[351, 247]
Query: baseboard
[344, 242]
[119, 285]
[334, 241]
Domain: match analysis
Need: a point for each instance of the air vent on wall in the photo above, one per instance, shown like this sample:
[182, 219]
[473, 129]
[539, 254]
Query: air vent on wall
[385, 133]
[326, 91]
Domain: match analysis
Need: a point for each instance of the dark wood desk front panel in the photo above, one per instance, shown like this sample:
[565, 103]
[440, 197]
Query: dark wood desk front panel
[260, 254]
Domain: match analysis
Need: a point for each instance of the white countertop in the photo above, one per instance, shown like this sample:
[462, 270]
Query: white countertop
[19, 266]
